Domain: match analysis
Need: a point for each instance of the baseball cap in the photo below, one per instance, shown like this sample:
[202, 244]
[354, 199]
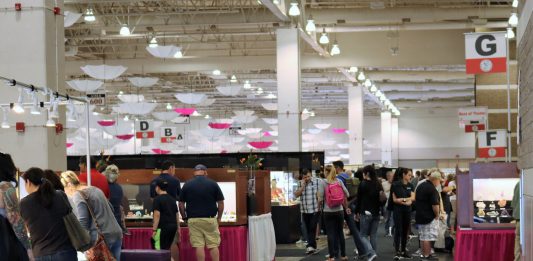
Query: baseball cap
[200, 167]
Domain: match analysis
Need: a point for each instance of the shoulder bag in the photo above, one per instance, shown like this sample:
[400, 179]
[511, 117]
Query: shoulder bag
[100, 251]
[79, 237]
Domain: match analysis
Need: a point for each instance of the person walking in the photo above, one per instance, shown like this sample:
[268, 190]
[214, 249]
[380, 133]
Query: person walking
[202, 205]
[308, 193]
[168, 169]
[95, 214]
[43, 211]
[166, 219]
[368, 206]
[116, 194]
[97, 179]
[387, 184]
[428, 212]
[15, 243]
[515, 204]
[334, 194]
[403, 195]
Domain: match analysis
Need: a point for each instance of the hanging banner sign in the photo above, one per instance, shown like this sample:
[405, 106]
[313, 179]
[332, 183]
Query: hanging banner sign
[97, 99]
[473, 119]
[168, 134]
[492, 143]
[144, 130]
[486, 52]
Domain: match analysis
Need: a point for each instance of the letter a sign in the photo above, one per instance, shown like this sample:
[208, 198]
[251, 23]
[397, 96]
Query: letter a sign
[492, 143]
[486, 53]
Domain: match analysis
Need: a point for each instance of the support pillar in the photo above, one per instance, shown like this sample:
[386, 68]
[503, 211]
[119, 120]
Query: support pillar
[386, 138]
[32, 52]
[355, 124]
[395, 142]
[288, 76]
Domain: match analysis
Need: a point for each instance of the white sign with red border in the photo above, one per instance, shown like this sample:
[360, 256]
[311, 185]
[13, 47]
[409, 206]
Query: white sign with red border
[168, 134]
[486, 52]
[144, 130]
[492, 143]
[473, 119]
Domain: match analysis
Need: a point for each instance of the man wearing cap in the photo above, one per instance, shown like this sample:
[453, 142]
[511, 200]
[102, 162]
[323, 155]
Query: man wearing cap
[203, 202]
[428, 211]
[167, 174]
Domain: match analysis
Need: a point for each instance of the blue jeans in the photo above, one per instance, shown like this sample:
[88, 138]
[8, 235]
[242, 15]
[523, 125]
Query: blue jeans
[388, 220]
[364, 248]
[116, 248]
[64, 255]
[369, 229]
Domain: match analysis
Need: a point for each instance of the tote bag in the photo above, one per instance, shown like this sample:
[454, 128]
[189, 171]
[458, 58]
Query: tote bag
[79, 237]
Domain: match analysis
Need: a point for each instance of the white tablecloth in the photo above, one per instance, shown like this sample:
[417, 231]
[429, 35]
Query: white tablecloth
[261, 238]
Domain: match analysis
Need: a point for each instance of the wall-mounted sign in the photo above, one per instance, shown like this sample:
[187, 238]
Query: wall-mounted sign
[233, 131]
[486, 52]
[144, 130]
[473, 119]
[169, 134]
[97, 99]
[492, 143]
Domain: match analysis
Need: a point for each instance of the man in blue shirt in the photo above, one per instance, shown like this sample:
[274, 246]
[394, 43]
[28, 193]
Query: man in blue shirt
[167, 174]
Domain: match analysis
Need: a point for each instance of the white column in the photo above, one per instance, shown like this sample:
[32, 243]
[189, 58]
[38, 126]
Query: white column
[32, 51]
[288, 74]
[355, 124]
[395, 142]
[386, 138]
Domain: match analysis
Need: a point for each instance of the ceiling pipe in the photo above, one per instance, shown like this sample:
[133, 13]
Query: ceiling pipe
[280, 13]
[412, 27]
[429, 95]
[387, 87]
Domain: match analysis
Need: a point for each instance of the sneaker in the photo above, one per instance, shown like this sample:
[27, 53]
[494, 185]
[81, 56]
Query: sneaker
[310, 251]
[398, 256]
[372, 257]
[430, 257]
[405, 255]
[301, 242]
[418, 252]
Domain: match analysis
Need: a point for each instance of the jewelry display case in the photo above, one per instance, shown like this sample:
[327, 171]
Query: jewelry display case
[282, 187]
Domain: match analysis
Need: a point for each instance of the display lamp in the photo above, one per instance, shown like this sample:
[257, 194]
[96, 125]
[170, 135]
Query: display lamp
[50, 122]
[17, 107]
[153, 43]
[515, 4]
[294, 10]
[89, 15]
[310, 26]
[178, 54]
[233, 79]
[361, 76]
[247, 85]
[373, 88]
[124, 30]
[335, 50]
[513, 20]
[353, 69]
[510, 33]
[368, 83]
[216, 72]
[324, 39]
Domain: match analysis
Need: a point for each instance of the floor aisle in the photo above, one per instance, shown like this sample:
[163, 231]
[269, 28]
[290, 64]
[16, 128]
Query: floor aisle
[295, 252]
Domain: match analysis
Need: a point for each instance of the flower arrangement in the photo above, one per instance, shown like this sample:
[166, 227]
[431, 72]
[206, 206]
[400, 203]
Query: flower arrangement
[252, 161]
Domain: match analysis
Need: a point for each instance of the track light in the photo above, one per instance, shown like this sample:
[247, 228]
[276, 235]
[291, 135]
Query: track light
[324, 39]
[513, 20]
[153, 43]
[386, 102]
[310, 27]
[335, 50]
[35, 110]
[510, 33]
[361, 76]
[259, 90]
[207, 116]
[378, 94]
[5, 123]
[50, 122]
[294, 10]
[124, 30]
[17, 107]
[89, 15]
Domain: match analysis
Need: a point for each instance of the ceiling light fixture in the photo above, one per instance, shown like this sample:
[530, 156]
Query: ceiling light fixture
[361, 76]
[120, 92]
[271, 96]
[382, 98]
[310, 26]
[368, 83]
[387, 102]
[515, 4]
[259, 90]
[324, 39]
[305, 111]
[247, 85]
[125, 30]
[216, 72]
[373, 89]
[353, 69]
[196, 114]
[169, 107]
[312, 114]
[513, 20]
[5, 122]
[207, 116]
[95, 113]
[379, 93]
[294, 10]
[153, 43]
[126, 118]
[233, 79]
[335, 50]
[178, 54]
[50, 122]
[510, 33]
[89, 15]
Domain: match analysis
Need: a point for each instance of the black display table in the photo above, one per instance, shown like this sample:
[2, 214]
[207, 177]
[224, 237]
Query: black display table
[287, 223]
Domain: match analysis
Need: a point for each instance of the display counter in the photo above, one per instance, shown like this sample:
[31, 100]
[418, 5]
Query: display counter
[285, 208]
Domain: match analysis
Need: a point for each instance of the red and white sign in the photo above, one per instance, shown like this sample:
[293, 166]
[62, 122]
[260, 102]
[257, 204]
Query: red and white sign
[473, 119]
[144, 130]
[486, 52]
[492, 143]
[168, 134]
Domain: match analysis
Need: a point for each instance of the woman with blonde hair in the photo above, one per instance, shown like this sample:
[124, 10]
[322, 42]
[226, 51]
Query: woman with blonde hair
[95, 214]
[334, 193]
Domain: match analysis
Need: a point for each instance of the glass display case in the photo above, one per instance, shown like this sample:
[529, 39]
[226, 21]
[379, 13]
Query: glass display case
[282, 187]
[492, 200]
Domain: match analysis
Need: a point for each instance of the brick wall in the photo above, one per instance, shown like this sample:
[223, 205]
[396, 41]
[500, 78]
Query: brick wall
[525, 58]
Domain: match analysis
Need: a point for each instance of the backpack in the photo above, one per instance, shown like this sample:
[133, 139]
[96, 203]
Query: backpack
[334, 195]
[352, 185]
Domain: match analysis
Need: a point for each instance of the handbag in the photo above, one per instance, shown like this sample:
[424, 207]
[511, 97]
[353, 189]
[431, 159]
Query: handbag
[79, 237]
[100, 251]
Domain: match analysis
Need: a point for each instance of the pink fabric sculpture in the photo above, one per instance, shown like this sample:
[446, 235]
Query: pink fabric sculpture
[160, 151]
[185, 111]
[338, 130]
[260, 144]
[219, 126]
[124, 136]
[106, 123]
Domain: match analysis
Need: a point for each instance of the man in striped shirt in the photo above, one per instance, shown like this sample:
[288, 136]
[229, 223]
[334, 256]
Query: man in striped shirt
[307, 191]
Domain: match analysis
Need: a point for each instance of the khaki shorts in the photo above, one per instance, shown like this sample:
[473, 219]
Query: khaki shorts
[204, 232]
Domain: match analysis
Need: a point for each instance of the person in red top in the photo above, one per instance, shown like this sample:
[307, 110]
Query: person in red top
[97, 179]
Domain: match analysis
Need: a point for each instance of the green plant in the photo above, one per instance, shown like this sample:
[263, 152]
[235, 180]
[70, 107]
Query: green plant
[252, 161]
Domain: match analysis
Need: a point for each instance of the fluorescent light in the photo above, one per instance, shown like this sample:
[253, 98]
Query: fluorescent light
[153, 43]
[233, 79]
[510, 33]
[124, 30]
[373, 88]
[276, 2]
[368, 83]
[353, 69]
[361, 76]
[178, 54]
[247, 85]
[216, 72]
[324, 39]
[310, 27]
[89, 15]
[515, 4]
[335, 50]
[294, 10]
[513, 20]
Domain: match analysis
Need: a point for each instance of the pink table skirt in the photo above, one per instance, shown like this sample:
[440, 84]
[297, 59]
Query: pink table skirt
[233, 246]
[484, 245]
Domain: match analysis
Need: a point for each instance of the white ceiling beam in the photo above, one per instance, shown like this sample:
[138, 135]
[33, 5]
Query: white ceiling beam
[410, 27]
[387, 87]
[276, 10]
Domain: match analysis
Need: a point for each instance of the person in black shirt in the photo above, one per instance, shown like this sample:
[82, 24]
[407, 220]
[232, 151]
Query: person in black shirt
[403, 195]
[427, 212]
[368, 206]
[166, 218]
[167, 173]
[203, 202]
